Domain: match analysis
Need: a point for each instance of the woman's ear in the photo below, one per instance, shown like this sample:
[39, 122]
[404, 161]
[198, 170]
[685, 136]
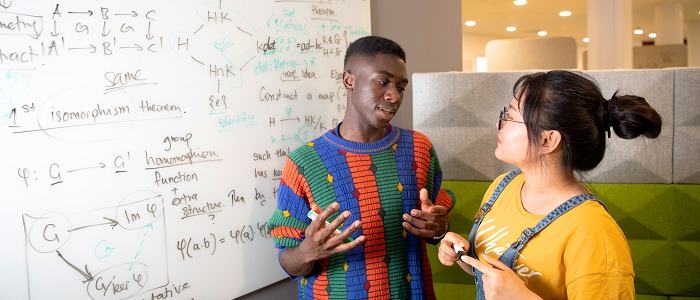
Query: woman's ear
[551, 140]
[348, 80]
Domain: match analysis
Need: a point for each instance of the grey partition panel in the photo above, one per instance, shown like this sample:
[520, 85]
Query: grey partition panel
[686, 157]
[639, 160]
[458, 112]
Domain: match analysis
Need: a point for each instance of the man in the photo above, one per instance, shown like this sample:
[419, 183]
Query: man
[383, 178]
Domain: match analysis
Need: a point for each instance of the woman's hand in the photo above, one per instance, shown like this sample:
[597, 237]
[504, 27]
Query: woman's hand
[499, 281]
[446, 253]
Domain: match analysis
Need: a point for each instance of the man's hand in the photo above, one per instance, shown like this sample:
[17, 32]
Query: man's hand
[318, 243]
[430, 221]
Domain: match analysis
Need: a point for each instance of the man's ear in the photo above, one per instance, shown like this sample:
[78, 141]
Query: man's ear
[348, 80]
[551, 140]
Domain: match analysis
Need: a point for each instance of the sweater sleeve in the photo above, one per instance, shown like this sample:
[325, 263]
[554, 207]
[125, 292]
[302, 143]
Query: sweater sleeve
[439, 196]
[288, 224]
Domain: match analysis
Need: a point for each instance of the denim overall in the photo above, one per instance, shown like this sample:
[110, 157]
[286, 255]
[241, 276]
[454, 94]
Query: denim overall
[510, 256]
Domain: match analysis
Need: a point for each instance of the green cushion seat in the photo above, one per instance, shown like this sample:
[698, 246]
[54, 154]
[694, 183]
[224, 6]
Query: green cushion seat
[661, 223]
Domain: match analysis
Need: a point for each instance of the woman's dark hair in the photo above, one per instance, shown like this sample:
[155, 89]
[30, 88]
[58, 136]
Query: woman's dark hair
[574, 105]
[370, 46]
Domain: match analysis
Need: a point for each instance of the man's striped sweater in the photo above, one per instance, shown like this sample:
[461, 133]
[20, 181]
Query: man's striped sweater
[378, 183]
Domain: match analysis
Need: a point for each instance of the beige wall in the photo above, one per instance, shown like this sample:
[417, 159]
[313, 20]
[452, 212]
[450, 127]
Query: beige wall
[472, 46]
[430, 34]
[664, 56]
[529, 54]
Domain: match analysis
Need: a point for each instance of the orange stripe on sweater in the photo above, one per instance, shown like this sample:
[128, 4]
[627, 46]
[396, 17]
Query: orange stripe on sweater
[421, 154]
[372, 225]
[296, 182]
[321, 282]
[444, 199]
[287, 232]
[427, 274]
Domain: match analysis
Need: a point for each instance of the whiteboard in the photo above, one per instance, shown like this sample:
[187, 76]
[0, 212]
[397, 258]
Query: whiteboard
[143, 141]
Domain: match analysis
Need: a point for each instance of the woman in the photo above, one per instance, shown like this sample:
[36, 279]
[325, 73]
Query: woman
[538, 227]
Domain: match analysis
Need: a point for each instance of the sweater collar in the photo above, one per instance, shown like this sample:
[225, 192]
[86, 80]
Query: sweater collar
[387, 141]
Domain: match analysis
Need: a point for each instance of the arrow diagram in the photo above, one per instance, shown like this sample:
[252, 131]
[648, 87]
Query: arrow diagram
[296, 137]
[138, 48]
[5, 5]
[297, 118]
[86, 274]
[148, 35]
[89, 12]
[100, 166]
[104, 27]
[134, 14]
[55, 32]
[111, 222]
[91, 47]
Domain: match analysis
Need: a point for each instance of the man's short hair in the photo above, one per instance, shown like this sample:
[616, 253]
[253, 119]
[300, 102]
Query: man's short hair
[369, 46]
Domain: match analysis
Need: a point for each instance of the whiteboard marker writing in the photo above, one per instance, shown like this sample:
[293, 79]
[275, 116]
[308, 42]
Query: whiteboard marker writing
[312, 215]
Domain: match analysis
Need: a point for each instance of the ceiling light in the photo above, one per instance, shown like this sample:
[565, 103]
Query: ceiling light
[565, 13]
[510, 28]
[585, 40]
[652, 35]
[542, 33]
[519, 2]
[638, 31]
[470, 23]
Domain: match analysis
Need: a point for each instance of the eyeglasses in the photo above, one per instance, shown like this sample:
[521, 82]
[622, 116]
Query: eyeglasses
[505, 117]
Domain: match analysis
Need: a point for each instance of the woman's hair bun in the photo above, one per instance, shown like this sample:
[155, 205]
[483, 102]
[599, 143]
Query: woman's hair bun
[631, 116]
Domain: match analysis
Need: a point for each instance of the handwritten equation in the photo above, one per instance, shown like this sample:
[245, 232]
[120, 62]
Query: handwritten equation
[146, 140]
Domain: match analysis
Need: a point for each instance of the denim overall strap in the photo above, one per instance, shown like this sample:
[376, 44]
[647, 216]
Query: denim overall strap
[477, 222]
[487, 206]
[511, 255]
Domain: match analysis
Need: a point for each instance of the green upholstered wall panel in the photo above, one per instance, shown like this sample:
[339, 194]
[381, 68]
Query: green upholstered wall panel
[651, 297]
[661, 223]
[458, 291]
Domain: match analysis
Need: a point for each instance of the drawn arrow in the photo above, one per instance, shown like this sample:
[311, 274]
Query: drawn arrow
[4, 5]
[91, 47]
[132, 15]
[54, 29]
[86, 274]
[103, 29]
[138, 48]
[239, 28]
[102, 165]
[148, 35]
[89, 12]
[296, 137]
[111, 222]
[297, 118]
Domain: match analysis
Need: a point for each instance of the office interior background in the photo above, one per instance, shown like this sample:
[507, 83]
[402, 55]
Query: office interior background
[506, 35]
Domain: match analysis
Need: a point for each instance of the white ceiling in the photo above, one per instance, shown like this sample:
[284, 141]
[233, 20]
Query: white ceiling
[493, 16]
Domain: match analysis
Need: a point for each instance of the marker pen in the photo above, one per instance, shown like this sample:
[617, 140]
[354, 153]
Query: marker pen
[460, 251]
[312, 215]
